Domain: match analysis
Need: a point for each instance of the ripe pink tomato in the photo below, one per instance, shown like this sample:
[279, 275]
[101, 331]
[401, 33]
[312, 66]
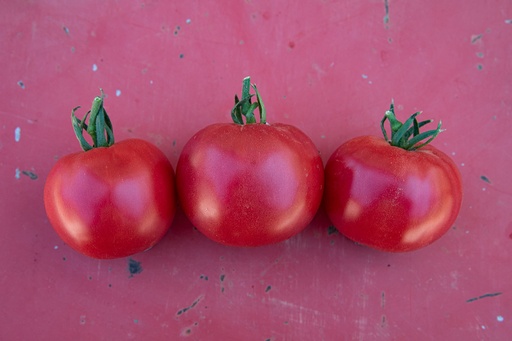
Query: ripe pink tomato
[249, 184]
[113, 200]
[397, 195]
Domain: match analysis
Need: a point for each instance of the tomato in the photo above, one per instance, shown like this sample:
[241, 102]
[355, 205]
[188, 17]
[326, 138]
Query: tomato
[113, 200]
[398, 195]
[249, 184]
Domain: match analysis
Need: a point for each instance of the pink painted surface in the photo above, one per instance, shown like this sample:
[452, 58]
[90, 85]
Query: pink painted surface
[328, 67]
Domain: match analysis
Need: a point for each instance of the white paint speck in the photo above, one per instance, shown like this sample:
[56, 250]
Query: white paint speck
[462, 164]
[17, 173]
[17, 134]
[151, 82]
[55, 247]
[94, 67]
[118, 92]
[453, 153]
[508, 21]
[364, 76]
[483, 327]
[188, 21]
[484, 189]
[499, 318]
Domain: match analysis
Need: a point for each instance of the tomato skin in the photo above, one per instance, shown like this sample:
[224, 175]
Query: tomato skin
[389, 198]
[250, 185]
[111, 202]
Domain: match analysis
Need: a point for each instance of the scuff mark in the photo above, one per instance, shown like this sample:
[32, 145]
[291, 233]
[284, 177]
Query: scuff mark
[475, 38]
[222, 277]
[386, 16]
[483, 296]
[184, 310]
[383, 321]
[30, 174]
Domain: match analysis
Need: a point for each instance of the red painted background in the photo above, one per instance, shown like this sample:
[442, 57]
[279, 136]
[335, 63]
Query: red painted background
[328, 67]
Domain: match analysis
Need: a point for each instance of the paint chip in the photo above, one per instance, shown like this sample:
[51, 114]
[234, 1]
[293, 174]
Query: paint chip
[188, 21]
[94, 67]
[21, 84]
[17, 173]
[17, 134]
[500, 318]
[118, 92]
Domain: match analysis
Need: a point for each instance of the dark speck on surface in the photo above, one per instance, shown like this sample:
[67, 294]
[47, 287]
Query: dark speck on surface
[332, 230]
[134, 267]
[486, 179]
[31, 175]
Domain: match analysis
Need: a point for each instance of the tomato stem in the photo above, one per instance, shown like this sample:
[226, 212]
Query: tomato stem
[99, 128]
[245, 107]
[407, 135]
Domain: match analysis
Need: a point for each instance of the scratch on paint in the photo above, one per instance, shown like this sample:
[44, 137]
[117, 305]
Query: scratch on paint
[30, 174]
[386, 17]
[483, 296]
[184, 310]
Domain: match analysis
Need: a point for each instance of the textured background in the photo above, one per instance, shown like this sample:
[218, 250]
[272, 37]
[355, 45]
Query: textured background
[328, 67]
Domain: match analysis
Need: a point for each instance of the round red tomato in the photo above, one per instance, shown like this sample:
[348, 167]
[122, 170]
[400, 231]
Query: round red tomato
[111, 201]
[392, 198]
[250, 184]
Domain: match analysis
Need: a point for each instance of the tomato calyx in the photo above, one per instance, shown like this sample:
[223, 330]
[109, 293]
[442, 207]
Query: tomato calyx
[99, 127]
[407, 135]
[245, 107]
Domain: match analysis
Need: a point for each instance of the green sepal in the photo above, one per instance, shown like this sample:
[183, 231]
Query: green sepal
[407, 135]
[245, 107]
[99, 128]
